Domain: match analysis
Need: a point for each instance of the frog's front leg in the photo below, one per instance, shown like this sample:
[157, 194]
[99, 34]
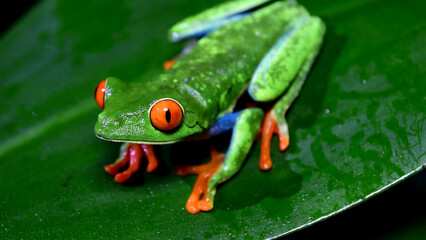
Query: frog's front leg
[131, 154]
[246, 124]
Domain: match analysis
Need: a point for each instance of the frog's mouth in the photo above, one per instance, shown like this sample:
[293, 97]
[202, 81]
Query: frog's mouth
[138, 142]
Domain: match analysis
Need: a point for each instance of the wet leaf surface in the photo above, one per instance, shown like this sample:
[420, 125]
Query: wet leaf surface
[358, 127]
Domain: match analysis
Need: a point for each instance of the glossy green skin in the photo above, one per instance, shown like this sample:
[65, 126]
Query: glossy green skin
[125, 116]
[206, 82]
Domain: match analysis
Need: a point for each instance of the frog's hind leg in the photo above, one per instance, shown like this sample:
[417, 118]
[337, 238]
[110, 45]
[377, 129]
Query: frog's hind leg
[222, 167]
[281, 74]
[274, 121]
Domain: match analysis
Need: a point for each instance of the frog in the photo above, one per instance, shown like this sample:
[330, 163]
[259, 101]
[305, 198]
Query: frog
[260, 48]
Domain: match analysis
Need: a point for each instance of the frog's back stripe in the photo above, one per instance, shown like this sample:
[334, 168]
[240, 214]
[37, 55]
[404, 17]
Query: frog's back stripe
[283, 62]
[211, 19]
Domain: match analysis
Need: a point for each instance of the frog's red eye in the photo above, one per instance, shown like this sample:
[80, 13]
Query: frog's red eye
[100, 94]
[166, 114]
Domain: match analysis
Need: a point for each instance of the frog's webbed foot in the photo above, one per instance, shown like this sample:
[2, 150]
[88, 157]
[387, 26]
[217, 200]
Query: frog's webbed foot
[270, 126]
[201, 198]
[131, 155]
[245, 124]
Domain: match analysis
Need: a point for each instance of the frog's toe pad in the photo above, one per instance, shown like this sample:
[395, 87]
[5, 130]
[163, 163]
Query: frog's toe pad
[115, 168]
[122, 177]
[284, 142]
[112, 169]
[265, 164]
[194, 205]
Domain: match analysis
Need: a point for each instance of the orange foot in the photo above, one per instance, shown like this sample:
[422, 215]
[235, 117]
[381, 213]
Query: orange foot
[132, 155]
[168, 64]
[269, 127]
[201, 197]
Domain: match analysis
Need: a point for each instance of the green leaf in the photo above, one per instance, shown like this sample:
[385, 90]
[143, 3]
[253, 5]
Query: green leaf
[358, 127]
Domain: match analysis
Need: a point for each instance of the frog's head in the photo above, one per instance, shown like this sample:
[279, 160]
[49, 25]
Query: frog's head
[147, 115]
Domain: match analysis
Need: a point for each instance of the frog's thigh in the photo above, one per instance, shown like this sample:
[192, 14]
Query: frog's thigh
[283, 63]
[244, 132]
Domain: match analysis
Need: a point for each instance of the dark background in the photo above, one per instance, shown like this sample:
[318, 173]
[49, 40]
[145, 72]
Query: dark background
[11, 11]
[397, 213]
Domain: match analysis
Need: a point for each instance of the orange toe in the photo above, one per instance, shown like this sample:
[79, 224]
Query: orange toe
[200, 200]
[132, 156]
[284, 142]
[168, 64]
[150, 155]
[269, 128]
[121, 177]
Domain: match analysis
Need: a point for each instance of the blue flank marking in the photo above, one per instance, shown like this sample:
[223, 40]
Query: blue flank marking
[216, 24]
[224, 124]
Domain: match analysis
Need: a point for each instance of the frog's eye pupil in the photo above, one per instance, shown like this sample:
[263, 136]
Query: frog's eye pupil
[166, 114]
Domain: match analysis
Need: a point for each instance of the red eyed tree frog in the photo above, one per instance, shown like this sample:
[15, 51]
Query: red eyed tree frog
[265, 48]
